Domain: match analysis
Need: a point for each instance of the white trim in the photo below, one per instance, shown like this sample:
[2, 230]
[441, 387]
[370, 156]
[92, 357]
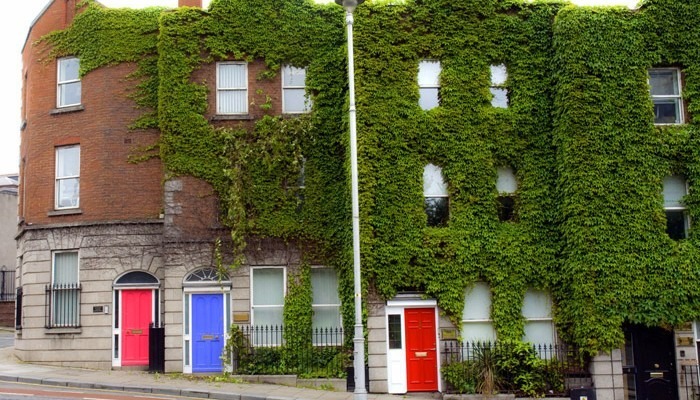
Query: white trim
[252, 296]
[307, 100]
[399, 385]
[232, 89]
[58, 178]
[60, 83]
[679, 96]
[187, 337]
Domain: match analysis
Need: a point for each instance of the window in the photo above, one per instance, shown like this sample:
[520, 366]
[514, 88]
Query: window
[499, 75]
[67, 177]
[68, 93]
[537, 311]
[268, 288]
[429, 84]
[476, 315]
[665, 86]
[506, 185]
[232, 88]
[436, 197]
[677, 222]
[63, 294]
[326, 306]
[294, 98]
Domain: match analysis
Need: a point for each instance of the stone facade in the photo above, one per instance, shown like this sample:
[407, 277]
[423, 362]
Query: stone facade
[106, 251]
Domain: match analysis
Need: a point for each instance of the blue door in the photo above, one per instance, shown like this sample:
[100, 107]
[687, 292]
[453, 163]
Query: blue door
[207, 332]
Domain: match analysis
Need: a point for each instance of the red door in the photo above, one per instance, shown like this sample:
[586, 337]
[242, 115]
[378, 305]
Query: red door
[421, 350]
[136, 318]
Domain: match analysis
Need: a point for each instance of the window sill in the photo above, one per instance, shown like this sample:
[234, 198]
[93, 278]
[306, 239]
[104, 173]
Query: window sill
[63, 331]
[69, 109]
[70, 211]
[232, 117]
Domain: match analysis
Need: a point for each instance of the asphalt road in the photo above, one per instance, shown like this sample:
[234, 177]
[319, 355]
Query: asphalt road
[23, 391]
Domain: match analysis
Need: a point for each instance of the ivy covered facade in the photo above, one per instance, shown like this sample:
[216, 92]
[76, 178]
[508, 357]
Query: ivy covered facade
[527, 171]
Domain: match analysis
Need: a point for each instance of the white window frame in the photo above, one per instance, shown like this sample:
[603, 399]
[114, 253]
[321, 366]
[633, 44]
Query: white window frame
[497, 86]
[53, 291]
[60, 178]
[429, 85]
[220, 89]
[681, 207]
[60, 85]
[546, 319]
[252, 300]
[678, 98]
[287, 88]
[314, 306]
[468, 321]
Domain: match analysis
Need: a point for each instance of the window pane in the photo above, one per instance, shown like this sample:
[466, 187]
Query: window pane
[429, 73]
[68, 69]
[433, 184]
[500, 98]
[428, 98]
[324, 284]
[537, 304]
[667, 111]
[232, 102]
[506, 208]
[506, 182]
[499, 75]
[65, 268]
[68, 192]
[68, 161]
[69, 93]
[676, 224]
[477, 302]
[293, 76]
[268, 286]
[663, 82]
[232, 76]
[539, 332]
[395, 331]
[267, 316]
[326, 317]
[674, 188]
[437, 210]
[478, 332]
[295, 101]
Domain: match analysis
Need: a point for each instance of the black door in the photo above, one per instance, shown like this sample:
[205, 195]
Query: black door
[654, 368]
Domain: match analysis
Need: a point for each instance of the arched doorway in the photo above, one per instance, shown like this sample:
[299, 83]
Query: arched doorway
[135, 310]
[207, 300]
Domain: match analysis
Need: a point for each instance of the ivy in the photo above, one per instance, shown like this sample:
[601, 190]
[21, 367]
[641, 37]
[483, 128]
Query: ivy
[578, 131]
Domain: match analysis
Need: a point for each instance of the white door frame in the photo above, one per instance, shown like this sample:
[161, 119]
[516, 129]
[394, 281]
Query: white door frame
[397, 374]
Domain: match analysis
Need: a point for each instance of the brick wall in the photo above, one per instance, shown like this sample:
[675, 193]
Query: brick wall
[111, 188]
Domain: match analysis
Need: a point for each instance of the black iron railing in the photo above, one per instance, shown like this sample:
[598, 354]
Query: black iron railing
[275, 350]
[7, 285]
[62, 305]
[688, 382]
[18, 309]
[519, 368]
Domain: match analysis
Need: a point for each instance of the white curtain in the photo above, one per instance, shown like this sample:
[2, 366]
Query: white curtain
[674, 188]
[476, 315]
[232, 85]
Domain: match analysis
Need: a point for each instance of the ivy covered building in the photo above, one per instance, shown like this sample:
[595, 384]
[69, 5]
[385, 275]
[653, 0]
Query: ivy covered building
[527, 174]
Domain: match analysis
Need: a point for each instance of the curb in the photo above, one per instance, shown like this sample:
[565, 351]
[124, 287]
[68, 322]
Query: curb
[192, 393]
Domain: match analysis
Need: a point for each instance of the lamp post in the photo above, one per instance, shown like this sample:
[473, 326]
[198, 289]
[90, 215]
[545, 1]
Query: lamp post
[359, 338]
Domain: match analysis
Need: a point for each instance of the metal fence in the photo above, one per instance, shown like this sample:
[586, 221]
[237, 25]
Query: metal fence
[274, 350]
[62, 305]
[688, 382]
[7, 285]
[522, 369]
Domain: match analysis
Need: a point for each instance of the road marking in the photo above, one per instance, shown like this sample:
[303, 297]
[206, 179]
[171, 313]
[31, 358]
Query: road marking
[18, 394]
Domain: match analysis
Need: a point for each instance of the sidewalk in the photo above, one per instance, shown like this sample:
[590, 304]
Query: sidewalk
[13, 370]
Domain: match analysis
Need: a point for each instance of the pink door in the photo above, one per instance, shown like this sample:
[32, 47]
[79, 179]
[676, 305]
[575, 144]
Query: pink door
[421, 350]
[136, 318]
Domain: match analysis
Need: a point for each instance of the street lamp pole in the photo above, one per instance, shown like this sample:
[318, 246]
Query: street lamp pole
[359, 339]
